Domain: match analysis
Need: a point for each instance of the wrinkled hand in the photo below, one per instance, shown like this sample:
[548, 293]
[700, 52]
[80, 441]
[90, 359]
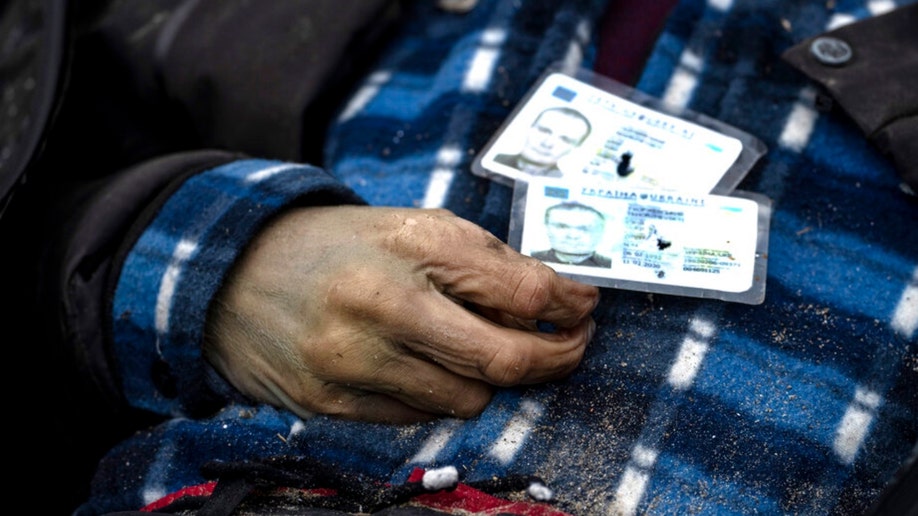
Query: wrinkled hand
[391, 314]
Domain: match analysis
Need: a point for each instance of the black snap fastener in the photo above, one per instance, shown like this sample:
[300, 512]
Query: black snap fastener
[831, 51]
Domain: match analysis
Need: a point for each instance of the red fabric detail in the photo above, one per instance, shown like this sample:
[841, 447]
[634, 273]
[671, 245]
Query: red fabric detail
[417, 474]
[462, 500]
[205, 489]
[465, 500]
[627, 34]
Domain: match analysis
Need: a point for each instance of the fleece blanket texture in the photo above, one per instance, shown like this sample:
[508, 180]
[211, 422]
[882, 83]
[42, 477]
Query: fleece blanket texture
[804, 404]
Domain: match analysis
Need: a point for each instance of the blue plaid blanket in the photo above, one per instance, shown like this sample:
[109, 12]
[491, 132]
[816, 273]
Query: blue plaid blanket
[805, 404]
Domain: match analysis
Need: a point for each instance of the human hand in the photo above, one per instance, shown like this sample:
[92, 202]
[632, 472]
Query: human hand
[391, 314]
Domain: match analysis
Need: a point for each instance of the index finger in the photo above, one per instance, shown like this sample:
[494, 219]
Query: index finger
[474, 266]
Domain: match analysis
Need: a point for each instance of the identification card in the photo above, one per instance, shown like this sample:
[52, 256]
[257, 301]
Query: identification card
[610, 235]
[591, 126]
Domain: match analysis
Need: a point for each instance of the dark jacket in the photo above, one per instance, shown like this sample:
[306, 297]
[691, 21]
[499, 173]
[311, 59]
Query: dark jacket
[112, 107]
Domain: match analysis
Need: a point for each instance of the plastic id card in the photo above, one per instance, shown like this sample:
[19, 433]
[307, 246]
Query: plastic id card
[697, 245]
[591, 126]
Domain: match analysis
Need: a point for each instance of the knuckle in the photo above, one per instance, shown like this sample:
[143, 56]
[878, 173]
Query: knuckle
[532, 290]
[412, 234]
[425, 233]
[507, 367]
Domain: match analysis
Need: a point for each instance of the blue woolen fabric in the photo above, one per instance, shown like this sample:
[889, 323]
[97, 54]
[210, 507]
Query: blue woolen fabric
[177, 265]
[805, 404]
